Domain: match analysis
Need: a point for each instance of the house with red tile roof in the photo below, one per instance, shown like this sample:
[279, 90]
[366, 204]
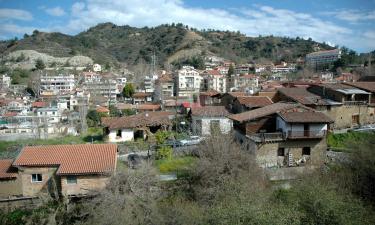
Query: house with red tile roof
[288, 137]
[67, 170]
[143, 125]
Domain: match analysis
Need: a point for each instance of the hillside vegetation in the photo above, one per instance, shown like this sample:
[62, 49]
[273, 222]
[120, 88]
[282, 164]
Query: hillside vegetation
[109, 43]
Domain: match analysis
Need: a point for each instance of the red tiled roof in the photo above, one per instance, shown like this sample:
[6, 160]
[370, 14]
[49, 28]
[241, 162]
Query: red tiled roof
[101, 109]
[254, 101]
[147, 107]
[71, 159]
[6, 169]
[10, 114]
[139, 120]
[305, 117]
[38, 104]
[214, 72]
[260, 112]
[210, 93]
[141, 95]
[237, 94]
[191, 105]
[211, 111]
[367, 86]
[303, 96]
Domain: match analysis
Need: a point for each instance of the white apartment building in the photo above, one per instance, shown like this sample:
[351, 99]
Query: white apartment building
[316, 59]
[214, 80]
[90, 77]
[5, 81]
[244, 82]
[58, 84]
[52, 115]
[189, 81]
[149, 83]
[105, 88]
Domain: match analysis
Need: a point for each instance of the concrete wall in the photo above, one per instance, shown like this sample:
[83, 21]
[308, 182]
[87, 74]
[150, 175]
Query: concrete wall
[84, 185]
[126, 135]
[10, 187]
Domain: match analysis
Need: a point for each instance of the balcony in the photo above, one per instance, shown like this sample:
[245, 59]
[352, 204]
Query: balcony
[267, 137]
[355, 102]
[306, 134]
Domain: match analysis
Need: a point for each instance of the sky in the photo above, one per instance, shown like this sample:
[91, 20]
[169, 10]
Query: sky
[349, 23]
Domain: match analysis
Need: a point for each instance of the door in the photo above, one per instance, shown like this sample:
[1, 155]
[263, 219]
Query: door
[355, 119]
[306, 130]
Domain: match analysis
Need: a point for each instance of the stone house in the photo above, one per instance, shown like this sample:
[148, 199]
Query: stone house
[288, 137]
[355, 109]
[128, 128]
[209, 119]
[210, 97]
[9, 180]
[66, 170]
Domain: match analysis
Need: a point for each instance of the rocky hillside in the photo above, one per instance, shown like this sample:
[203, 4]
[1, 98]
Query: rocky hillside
[109, 43]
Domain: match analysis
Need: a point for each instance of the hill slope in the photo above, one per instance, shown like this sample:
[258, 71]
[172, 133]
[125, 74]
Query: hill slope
[124, 44]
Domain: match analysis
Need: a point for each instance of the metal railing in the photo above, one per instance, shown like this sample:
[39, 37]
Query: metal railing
[355, 102]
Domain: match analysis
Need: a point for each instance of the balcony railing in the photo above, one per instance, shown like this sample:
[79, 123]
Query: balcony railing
[267, 137]
[355, 102]
[306, 134]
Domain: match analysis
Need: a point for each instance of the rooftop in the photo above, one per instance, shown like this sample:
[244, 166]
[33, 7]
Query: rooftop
[260, 112]
[303, 96]
[6, 169]
[305, 117]
[210, 111]
[367, 86]
[71, 159]
[254, 101]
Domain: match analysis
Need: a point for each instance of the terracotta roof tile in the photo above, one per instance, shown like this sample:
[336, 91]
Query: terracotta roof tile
[254, 101]
[212, 111]
[101, 109]
[367, 86]
[6, 169]
[141, 95]
[139, 120]
[260, 112]
[38, 104]
[303, 96]
[305, 117]
[71, 159]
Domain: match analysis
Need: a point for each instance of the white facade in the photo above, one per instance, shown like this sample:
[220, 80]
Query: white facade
[188, 81]
[121, 135]
[5, 81]
[323, 57]
[298, 129]
[52, 115]
[59, 84]
[216, 82]
[202, 125]
[97, 68]
[149, 83]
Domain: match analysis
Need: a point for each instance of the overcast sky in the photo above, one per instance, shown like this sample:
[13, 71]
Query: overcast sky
[338, 22]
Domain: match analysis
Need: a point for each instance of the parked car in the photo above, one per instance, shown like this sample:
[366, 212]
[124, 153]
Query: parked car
[193, 140]
[173, 143]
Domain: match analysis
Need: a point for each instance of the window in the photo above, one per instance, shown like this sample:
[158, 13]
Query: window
[306, 151]
[118, 133]
[71, 179]
[281, 152]
[36, 177]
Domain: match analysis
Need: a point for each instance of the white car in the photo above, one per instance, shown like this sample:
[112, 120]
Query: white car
[193, 140]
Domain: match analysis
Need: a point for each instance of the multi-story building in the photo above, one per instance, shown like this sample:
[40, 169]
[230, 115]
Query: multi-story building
[164, 87]
[149, 83]
[189, 81]
[57, 84]
[5, 81]
[214, 80]
[321, 58]
[105, 88]
[287, 139]
[247, 82]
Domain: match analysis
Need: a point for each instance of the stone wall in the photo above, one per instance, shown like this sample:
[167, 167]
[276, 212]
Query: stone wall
[342, 115]
[32, 189]
[10, 187]
[84, 185]
[267, 153]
